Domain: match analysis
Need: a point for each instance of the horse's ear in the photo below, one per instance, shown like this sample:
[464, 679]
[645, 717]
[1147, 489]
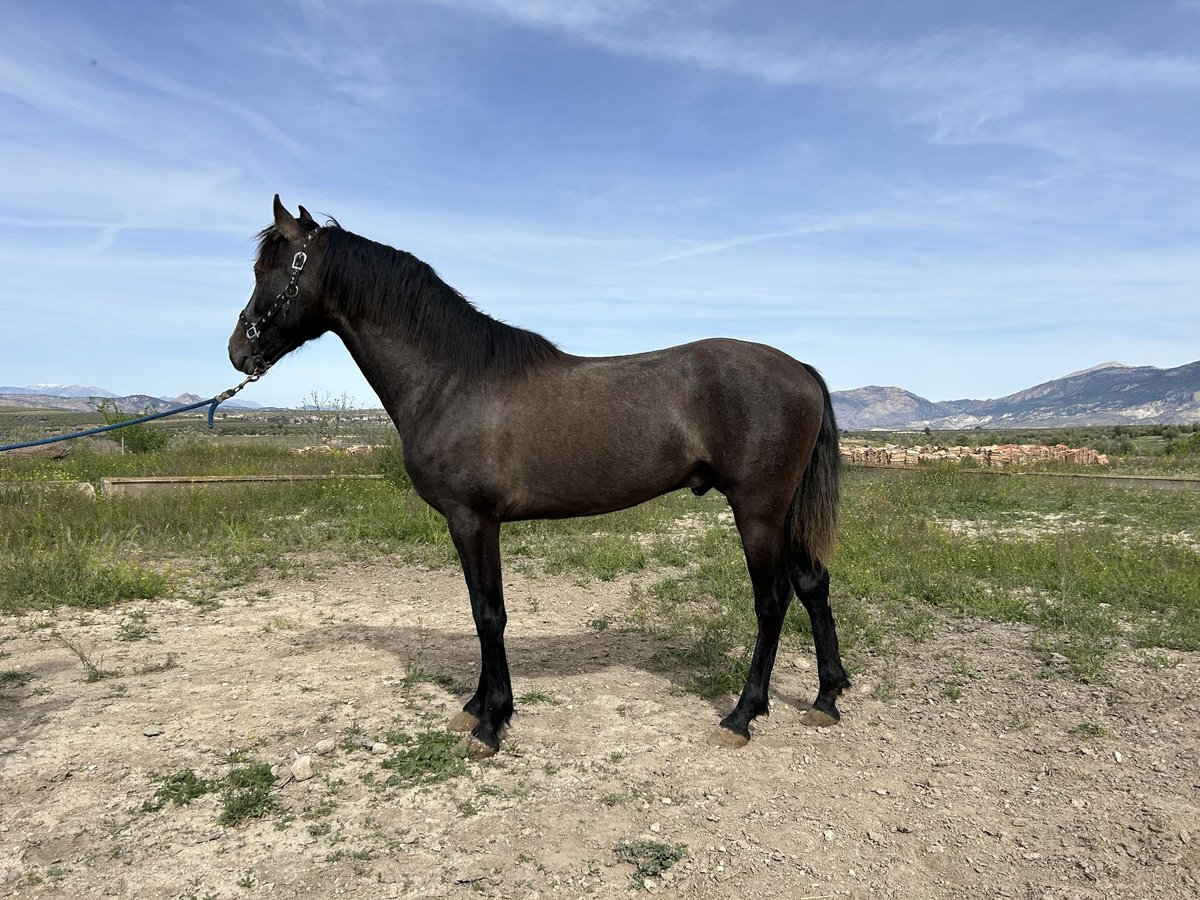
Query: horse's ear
[286, 224]
[307, 220]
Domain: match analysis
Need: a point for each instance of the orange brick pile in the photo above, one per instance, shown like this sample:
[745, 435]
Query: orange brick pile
[994, 455]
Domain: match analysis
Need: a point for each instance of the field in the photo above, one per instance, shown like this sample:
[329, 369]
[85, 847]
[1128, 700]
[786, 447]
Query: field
[241, 692]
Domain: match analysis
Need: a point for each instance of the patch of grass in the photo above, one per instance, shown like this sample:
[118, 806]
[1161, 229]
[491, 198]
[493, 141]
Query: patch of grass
[601, 623]
[179, 788]
[135, 627]
[13, 677]
[94, 577]
[246, 794]
[716, 665]
[170, 661]
[1159, 661]
[1088, 731]
[1020, 721]
[649, 858]
[431, 757]
[534, 698]
[602, 555]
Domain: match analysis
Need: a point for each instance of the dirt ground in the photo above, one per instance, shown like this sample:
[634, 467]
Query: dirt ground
[961, 767]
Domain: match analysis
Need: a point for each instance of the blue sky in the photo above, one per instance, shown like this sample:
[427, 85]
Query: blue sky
[962, 199]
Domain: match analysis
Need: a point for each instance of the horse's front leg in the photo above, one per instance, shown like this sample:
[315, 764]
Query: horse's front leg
[488, 711]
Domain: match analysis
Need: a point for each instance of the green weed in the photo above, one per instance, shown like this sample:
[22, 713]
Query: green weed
[179, 788]
[649, 858]
[432, 756]
[90, 666]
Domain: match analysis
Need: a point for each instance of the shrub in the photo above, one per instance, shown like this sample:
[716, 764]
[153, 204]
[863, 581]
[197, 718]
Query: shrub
[136, 438]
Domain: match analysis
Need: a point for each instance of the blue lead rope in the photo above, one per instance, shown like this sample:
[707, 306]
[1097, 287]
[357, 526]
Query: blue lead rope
[212, 403]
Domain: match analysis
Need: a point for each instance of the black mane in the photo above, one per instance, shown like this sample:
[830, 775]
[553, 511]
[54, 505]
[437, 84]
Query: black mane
[365, 279]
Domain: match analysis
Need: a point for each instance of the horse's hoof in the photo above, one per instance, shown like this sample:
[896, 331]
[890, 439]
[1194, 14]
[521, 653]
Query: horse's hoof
[815, 718]
[475, 749]
[464, 722]
[730, 740]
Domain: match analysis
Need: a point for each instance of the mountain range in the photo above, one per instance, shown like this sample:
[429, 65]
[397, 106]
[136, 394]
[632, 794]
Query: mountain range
[84, 398]
[1108, 394]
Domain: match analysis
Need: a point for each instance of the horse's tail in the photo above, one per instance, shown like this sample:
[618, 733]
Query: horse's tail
[814, 511]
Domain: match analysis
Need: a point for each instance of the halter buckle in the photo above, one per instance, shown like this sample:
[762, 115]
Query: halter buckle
[299, 260]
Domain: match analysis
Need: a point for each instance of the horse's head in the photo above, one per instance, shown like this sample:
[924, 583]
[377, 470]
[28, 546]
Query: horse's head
[285, 310]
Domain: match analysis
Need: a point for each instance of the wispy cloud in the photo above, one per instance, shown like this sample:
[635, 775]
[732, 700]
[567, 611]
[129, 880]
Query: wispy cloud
[957, 82]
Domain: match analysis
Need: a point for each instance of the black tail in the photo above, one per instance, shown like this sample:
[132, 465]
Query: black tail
[814, 510]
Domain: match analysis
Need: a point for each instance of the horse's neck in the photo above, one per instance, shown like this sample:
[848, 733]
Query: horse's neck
[409, 383]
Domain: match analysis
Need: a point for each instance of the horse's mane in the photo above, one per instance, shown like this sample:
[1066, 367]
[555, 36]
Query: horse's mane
[365, 279]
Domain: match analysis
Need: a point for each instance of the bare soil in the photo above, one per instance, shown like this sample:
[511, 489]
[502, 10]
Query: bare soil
[962, 767]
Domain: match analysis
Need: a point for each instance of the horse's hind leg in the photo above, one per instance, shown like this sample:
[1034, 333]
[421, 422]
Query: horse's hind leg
[811, 581]
[763, 542]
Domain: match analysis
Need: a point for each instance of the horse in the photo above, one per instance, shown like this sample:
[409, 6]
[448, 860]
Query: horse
[497, 424]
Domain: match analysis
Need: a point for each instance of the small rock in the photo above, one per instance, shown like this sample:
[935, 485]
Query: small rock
[874, 837]
[152, 730]
[827, 834]
[1117, 755]
[302, 768]
[656, 827]
[379, 748]
[324, 746]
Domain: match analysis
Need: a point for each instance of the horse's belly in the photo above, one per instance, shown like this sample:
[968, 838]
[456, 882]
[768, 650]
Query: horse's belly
[589, 485]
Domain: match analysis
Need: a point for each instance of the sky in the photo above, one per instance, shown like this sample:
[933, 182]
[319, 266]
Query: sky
[961, 199]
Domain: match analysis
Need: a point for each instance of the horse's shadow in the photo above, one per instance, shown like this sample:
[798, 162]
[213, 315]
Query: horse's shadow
[451, 656]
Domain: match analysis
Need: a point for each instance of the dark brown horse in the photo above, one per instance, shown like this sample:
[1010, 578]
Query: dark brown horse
[499, 425]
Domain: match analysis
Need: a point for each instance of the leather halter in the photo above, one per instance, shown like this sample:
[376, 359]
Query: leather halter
[253, 329]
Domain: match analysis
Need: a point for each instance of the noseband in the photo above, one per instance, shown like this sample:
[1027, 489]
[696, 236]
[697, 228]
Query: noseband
[253, 329]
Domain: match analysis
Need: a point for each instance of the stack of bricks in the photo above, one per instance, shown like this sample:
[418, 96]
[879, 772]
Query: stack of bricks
[994, 455]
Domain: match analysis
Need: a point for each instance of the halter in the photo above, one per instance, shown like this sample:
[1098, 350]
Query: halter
[253, 328]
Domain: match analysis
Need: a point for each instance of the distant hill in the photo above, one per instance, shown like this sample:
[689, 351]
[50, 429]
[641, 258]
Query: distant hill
[1108, 394]
[84, 399]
